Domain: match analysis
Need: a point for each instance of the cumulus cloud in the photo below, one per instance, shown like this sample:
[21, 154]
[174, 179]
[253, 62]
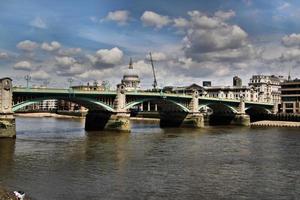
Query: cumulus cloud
[23, 65]
[69, 51]
[51, 46]
[157, 56]
[40, 75]
[150, 18]
[290, 55]
[119, 16]
[3, 55]
[38, 22]
[210, 38]
[27, 45]
[223, 15]
[292, 40]
[65, 61]
[69, 66]
[106, 57]
[181, 23]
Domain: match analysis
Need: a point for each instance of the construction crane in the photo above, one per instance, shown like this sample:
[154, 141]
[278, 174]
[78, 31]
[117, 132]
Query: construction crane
[153, 70]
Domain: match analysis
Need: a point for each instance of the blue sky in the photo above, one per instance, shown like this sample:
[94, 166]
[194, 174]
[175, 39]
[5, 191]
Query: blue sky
[191, 40]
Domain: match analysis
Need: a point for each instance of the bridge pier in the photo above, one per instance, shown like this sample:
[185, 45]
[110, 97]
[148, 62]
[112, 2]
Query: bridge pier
[7, 120]
[241, 118]
[112, 121]
[100, 120]
[192, 119]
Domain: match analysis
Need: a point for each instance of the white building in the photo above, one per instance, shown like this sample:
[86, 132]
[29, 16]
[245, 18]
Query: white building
[231, 92]
[131, 78]
[268, 87]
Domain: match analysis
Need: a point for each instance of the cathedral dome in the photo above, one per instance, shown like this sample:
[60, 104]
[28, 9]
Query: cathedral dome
[131, 78]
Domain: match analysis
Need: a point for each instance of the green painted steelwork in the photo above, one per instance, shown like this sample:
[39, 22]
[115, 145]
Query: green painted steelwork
[88, 101]
[89, 96]
[131, 104]
[228, 106]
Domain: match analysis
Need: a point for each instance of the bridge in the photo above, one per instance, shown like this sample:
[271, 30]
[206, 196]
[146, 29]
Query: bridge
[110, 110]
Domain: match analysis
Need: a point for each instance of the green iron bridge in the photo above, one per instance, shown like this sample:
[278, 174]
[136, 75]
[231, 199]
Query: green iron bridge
[110, 109]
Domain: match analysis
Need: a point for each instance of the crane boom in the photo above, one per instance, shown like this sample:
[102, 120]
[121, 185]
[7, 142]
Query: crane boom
[153, 70]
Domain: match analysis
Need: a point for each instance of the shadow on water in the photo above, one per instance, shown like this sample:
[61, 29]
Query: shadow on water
[7, 151]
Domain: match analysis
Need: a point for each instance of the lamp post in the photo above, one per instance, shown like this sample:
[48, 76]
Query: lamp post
[27, 78]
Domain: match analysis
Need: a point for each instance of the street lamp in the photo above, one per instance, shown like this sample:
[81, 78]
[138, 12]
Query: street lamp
[70, 80]
[27, 78]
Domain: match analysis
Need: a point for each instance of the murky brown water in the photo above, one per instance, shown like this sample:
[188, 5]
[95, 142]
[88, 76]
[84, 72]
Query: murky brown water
[54, 159]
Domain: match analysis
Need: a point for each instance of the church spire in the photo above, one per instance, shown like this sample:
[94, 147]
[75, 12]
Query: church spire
[130, 64]
[289, 77]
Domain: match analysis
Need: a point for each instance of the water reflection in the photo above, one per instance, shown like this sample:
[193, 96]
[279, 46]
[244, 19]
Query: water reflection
[59, 160]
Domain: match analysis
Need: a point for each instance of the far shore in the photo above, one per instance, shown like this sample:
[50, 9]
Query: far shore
[267, 123]
[42, 114]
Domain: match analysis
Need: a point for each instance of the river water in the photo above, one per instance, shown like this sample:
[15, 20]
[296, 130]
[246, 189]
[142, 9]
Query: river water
[54, 159]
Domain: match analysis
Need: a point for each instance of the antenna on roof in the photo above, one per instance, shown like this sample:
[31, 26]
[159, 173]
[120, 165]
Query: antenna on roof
[289, 77]
[153, 70]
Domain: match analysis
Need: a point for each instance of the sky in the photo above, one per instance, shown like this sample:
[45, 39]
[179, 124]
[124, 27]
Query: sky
[191, 41]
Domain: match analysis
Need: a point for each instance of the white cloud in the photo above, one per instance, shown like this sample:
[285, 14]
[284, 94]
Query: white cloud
[200, 20]
[65, 61]
[290, 55]
[23, 65]
[51, 47]
[292, 40]
[38, 22]
[119, 16]
[27, 45]
[210, 38]
[40, 75]
[181, 23]
[150, 18]
[3, 55]
[224, 15]
[157, 56]
[106, 57]
[69, 51]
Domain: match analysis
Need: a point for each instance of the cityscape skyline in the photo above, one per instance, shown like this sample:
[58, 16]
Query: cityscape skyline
[190, 42]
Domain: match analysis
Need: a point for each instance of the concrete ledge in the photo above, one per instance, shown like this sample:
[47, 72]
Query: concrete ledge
[267, 123]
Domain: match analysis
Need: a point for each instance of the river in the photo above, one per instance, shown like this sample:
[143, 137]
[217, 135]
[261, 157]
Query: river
[55, 159]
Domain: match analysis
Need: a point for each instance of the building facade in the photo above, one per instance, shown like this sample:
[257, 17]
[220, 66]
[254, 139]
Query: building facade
[268, 87]
[290, 96]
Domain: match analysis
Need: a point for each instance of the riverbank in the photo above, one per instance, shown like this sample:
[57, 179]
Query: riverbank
[46, 115]
[267, 123]
[7, 195]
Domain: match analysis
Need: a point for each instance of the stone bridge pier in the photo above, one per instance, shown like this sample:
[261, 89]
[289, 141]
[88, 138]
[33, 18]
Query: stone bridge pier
[192, 119]
[119, 120]
[241, 118]
[7, 120]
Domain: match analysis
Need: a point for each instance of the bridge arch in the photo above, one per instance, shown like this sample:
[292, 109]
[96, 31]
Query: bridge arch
[257, 113]
[219, 107]
[91, 104]
[162, 100]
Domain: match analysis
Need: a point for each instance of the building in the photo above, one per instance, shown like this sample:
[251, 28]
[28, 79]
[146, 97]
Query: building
[268, 87]
[232, 92]
[89, 87]
[184, 89]
[131, 78]
[223, 92]
[290, 96]
[237, 81]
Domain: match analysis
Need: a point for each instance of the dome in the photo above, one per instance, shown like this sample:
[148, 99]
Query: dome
[131, 78]
[130, 72]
